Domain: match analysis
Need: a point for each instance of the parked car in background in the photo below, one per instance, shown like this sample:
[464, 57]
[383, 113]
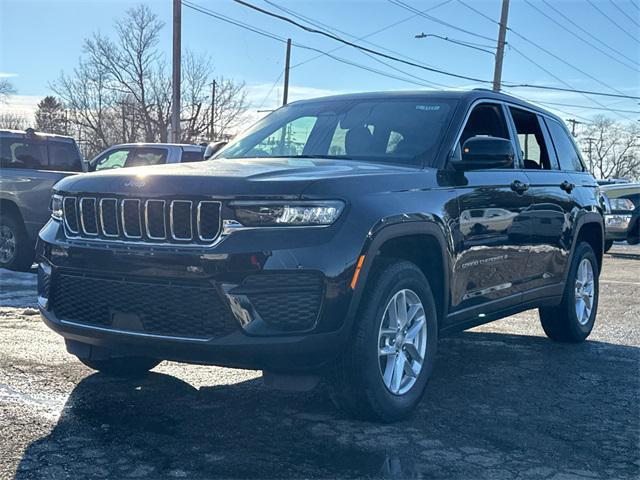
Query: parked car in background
[146, 154]
[30, 164]
[621, 200]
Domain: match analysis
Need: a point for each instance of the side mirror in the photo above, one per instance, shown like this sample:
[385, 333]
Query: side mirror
[484, 152]
[213, 148]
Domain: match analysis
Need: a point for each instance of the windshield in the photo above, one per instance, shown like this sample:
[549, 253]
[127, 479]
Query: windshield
[400, 131]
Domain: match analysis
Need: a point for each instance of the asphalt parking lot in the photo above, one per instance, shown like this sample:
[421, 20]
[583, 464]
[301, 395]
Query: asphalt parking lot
[504, 402]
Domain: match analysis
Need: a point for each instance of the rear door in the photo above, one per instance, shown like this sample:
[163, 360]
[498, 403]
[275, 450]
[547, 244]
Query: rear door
[491, 246]
[552, 214]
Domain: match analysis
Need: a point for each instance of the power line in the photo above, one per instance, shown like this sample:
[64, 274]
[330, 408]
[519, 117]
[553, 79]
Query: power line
[608, 109]
[423, 67]
[622, 29]
[330, 28]
[355, 45]
[549, 17]
[548, 52]
[439, 21]
[587, 32]
[282, 40]
[342, 60]
[387, 27]
[621, 10]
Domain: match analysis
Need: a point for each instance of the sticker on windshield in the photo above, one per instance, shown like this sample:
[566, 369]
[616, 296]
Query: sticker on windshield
[428, 108]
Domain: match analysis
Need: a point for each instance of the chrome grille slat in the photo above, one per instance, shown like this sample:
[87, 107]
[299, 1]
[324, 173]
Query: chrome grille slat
[175, 204]
[88, 217]
[123, 212]
[111, 217]
[148, 221]
[200, 221]
[70, 208]
[152, 221]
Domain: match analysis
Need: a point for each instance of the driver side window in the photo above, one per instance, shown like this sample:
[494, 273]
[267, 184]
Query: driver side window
[486, 120]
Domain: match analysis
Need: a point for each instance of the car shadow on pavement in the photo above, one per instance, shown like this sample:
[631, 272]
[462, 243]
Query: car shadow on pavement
[497, 406]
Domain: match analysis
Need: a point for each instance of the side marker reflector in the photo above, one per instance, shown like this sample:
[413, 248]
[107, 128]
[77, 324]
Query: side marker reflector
[356, 274]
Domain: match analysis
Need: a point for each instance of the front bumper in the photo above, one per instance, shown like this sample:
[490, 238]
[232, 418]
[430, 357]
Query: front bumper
[274, 309]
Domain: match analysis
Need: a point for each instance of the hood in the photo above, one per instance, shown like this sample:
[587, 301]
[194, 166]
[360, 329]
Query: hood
[225, 178]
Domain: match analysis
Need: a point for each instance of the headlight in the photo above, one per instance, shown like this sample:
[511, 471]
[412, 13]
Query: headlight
[56, 206]
[276, 214]
[621, 204]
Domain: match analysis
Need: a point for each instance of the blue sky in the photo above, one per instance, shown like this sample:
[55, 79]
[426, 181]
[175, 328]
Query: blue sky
[40, 39]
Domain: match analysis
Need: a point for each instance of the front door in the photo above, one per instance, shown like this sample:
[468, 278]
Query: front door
[490, 241]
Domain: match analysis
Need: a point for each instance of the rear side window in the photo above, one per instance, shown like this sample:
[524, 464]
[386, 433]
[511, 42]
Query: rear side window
[189, 156]
[23, 153]
[566, 150]
[64, 156]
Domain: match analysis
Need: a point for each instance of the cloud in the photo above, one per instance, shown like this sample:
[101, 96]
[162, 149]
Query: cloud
[24, 105]
[8, 75]
[268, 96]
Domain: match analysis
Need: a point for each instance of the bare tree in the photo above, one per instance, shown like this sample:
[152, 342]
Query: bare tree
[612, 148]
[121, 91]
[13, 121]
[6, 90]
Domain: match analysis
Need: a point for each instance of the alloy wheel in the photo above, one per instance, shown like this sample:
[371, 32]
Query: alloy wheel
[7, 244]
[402, 341]
[584, 291]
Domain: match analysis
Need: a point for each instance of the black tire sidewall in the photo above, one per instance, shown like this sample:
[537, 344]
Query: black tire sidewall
[396, 277]
[583, 251]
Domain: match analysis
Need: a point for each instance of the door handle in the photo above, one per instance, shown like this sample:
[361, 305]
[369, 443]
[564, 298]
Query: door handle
[519, 187]
[567, 186]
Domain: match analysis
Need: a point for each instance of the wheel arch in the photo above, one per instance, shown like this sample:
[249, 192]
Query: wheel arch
[9, 207]
[591, 230]
[422, 243]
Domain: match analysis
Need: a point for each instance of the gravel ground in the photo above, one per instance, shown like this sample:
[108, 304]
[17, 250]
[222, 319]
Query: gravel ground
[504, 402]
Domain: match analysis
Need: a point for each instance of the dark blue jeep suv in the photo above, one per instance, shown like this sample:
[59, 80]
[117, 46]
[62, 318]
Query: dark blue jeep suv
[337, 238]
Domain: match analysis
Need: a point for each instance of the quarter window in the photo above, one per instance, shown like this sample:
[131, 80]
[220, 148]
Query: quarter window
[64, 157]
[566, 150]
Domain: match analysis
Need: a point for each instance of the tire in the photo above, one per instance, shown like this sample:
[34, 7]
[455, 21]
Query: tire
[122, 366]
[561, 323]
[356, 378]
[16, 251]
[607, 245]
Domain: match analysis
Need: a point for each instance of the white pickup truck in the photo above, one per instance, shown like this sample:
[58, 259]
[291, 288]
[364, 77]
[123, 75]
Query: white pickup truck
[144, 154]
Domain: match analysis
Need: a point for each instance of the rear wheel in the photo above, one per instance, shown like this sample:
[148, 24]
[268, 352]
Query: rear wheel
[122, 366]
[16, 252]
[383, 374]
[573, 319]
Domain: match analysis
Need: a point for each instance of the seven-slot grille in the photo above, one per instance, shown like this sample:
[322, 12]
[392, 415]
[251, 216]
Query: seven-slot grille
[143, 219]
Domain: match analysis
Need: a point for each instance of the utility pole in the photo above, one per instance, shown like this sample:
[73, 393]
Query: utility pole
[502, 34]
[212, 128]
[175, 79]
[590, 140]
[285, 96]
[573, 123]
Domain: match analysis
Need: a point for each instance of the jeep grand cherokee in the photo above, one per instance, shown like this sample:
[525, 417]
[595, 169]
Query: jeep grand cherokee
[338, 237]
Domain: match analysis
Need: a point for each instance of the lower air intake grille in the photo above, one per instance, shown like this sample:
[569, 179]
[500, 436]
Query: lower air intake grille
[141, 306]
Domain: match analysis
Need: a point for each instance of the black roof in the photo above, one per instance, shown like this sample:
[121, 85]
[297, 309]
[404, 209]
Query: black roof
[467, 96]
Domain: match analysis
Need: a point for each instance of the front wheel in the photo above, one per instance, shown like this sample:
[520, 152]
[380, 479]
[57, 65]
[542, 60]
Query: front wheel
[384, 371]
[607, 245]
[122, 366]
[573, 319]
[16, 252]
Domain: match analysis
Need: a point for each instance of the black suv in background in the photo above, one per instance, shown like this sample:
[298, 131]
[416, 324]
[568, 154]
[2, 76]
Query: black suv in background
[339, 237]
[30, 164]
